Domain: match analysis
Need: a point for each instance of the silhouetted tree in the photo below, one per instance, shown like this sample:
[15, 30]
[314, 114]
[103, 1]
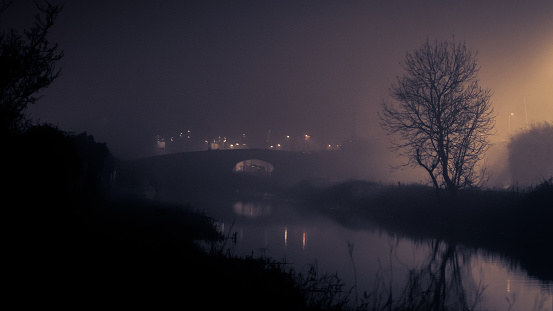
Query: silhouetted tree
[27, 65]
[531, 154]
[443, 116]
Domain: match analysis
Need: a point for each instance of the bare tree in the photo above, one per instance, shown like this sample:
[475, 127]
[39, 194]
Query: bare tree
[442, 116]
[27, 65]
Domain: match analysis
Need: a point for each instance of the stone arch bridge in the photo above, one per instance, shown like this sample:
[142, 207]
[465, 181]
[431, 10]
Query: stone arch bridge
[191, 171]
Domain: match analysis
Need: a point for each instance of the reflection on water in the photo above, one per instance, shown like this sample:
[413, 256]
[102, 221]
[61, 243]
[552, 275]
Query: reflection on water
[303, 238]
[443, 282]
[391, 271]
[252, 209]
[513, 288]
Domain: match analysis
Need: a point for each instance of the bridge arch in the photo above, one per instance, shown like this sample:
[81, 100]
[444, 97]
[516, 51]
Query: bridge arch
[254, 167]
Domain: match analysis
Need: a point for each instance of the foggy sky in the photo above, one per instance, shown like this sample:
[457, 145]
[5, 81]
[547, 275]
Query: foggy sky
[136, 69]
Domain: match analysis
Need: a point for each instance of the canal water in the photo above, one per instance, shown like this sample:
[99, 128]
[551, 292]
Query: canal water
[376, 263]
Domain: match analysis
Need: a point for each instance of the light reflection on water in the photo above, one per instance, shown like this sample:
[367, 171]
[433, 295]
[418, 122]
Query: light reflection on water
[252, 209]
[302, 239]
[506, 287]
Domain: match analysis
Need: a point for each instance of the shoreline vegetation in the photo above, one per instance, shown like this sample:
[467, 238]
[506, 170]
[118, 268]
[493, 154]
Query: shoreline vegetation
[76, 238]
[514, 224]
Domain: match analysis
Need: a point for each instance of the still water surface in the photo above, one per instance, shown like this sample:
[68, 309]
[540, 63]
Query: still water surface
[372, 258]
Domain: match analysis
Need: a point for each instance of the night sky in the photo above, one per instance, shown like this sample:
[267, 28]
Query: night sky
[136, 69]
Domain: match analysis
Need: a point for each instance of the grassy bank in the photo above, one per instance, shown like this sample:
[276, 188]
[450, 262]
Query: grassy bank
[515, 224]
[131, 252]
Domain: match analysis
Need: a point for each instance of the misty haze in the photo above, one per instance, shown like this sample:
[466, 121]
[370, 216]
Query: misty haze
[306, 155]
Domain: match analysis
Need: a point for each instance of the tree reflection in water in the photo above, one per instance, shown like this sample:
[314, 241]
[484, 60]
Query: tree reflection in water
[443, 282]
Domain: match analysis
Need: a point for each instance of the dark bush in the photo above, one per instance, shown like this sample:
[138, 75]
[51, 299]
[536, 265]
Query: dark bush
[45, 164]
[531, 154]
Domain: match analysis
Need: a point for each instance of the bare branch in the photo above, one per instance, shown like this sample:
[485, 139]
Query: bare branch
[28, 64]
[441, 115]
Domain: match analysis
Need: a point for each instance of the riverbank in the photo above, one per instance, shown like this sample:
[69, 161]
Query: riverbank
[132, 252]
[513, 224]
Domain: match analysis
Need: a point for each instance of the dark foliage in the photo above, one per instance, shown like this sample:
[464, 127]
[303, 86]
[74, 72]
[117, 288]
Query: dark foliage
[531, 155]
[542, 195]
[52, 164]
[28, 64]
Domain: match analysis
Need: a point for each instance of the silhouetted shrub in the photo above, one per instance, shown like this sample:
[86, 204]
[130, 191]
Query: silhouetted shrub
[531, 154]
[45, 164]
